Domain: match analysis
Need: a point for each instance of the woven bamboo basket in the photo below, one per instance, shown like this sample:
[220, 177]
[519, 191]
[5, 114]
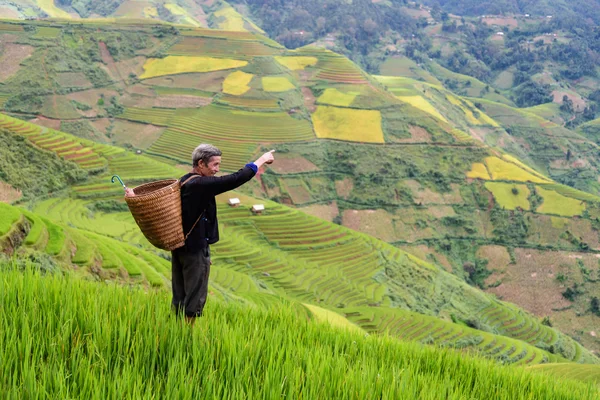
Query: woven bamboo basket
[156, 208]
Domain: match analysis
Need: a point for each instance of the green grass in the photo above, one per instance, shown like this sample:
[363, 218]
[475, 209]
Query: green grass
[8, 217]
[37, 228]
[56, 238]
[72, 338]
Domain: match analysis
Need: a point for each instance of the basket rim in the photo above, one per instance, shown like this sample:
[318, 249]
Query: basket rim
[145, 195]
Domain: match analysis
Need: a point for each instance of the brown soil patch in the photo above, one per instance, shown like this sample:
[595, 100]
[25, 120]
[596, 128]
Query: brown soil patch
[73, 79]
[181, 101]
[91, 97]
[209, 81]
[292, 165]
[377, 223]
[428, 254]
[133, 65]
[101, 124]
[108, 60]
[9, 12]
[578, 103]
[418, 135]
[48, 123]
[500, 21]
[324, 211]
[299, 194]
[309, 99]
[8, 194]
[531, 282]
[138, 135]
[424, 196]
[141, 90]
[139, 101]
[344, 187]
[498, 260]
[12, 56]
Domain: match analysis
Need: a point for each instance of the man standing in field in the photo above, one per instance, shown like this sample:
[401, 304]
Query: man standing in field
[191, 263]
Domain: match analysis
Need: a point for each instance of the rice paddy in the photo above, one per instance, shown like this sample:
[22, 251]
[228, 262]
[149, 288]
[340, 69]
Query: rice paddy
[507, 171]
[296, 63]
[236, 83]
[277, 84]
[479, 171]
[172, 65]
[509, 196]
[422, 104]
[101, 340]
[348, 124]
[557, 204]
[334, 97]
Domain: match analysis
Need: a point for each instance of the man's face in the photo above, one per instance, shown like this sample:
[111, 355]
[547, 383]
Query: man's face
[211, 168]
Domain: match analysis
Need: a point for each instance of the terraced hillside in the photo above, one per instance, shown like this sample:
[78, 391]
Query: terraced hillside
[262, 261]
[403, 160]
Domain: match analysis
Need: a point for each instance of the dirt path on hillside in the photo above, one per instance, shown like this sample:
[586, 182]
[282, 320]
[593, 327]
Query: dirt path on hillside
[111, 65]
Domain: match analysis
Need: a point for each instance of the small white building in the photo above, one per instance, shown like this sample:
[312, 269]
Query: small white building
[500, 33]
[234, 202]
[258, 208]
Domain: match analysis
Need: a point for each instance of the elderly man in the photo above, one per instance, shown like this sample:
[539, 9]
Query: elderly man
[191, 263]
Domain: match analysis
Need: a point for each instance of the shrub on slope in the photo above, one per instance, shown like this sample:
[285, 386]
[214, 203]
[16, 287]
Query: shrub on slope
[72, 338]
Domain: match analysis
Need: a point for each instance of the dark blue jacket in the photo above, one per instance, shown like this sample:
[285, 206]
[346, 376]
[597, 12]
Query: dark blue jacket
[198, 196]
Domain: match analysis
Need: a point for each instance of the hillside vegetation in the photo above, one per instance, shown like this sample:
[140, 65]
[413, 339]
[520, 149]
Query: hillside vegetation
[443, 201]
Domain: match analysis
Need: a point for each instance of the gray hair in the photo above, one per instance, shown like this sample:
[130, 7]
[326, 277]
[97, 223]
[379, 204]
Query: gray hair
[204, 153]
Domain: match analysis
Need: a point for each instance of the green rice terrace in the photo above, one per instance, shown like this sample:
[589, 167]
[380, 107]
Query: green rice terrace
[456, 231]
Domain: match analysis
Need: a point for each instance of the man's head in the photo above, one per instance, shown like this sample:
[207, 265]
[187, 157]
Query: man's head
[206, 159]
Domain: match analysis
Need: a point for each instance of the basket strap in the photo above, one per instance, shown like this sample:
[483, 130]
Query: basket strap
[193, 226]
[189, 179]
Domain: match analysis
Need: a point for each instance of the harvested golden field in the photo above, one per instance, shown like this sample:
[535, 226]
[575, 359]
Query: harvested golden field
[509, 196]
[422, 104]
[507, 171]
[277, 84]
[8, 194]
[555, 203]
[334, 97]
[479, 171]
[348, 124]
[236, 83]
[172, 65]
[296, 63]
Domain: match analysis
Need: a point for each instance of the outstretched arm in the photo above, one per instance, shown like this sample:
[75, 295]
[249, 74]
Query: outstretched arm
[217, 185]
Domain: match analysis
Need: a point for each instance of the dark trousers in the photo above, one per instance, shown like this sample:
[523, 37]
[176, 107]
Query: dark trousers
[190, 270]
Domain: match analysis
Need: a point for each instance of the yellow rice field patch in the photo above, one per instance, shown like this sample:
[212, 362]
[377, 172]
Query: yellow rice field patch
[53, 12]
[348, 124]
[514, 160]
[479, 171]
[423, 105]
[334, 97]
[558, 204]
[296, 63]
[181, 12]
[236, 83]
[506, 171]
[277, 84]
[150, 12]
[334, 319]
[509, 196]
[172, 65]
[466, 106]
[233, 20]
